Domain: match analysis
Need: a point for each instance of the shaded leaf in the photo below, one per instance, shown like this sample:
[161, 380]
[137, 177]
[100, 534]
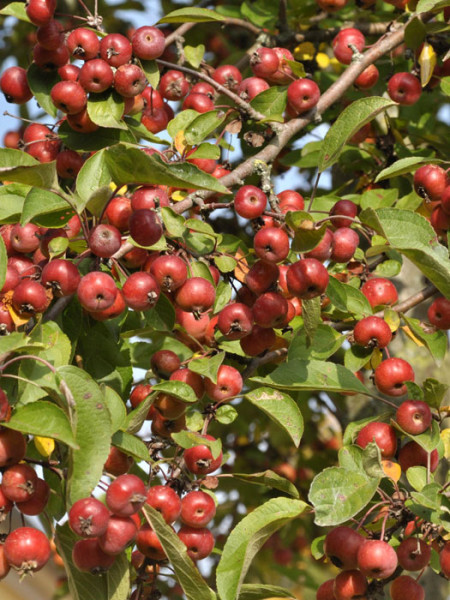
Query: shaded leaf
[44, 419]
[186, 572]
[247, 538]
[203, 125]
[326, 342]
[436, 342]
[351, 119]
[271, 101]
[97, 140]
[269, 479]
[312, 375]
[18, 166]
[207, 367]
[338, 494]
[92, 433]
[311, 313]
[106, 109]
[191, 15]
[39, 202]
[178, 389]
[412, 235]
[257, 591]
[130, 444]
[41, 82]
[281, 408]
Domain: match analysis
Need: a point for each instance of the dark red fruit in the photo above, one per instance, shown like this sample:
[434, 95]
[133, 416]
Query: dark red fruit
[19, 482]
[342, 545]
[14, 85]
[126, 495]
[307, 278]
[379, 292]
[30, 297]
[199, 459]
[413, 455]
[141, 291]
[197, 509]
[148, 42]
[413, 554]
[341, 44]
[83, 43]
[170, 272]
[120, 533]
[148, 543]
[235, 321]
[303, 95]
[377, 559]
[96, 291]
[69, 97]
[272, 244]
[372, 332]
[115, 49]
[88, 557]
[250, 202]
[166, 501]
[439, 313]
[405, 587]
[88, 517]
[404, 88]
[27, 549]
[346, 208]
[350, 585]
[104, 240]
[229, 384]
[414, 416]
[196, 295]
[145, 227]
[13, 447]
[382, 434]
[199, 542]
[38, 501]
[391, 375]
[96, 75]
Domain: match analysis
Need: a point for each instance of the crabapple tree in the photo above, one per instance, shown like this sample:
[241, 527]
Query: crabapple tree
[225, 298]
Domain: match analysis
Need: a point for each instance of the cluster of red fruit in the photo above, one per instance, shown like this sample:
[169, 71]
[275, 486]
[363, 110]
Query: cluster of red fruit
[432, 183]
[108, 530]
[362, 558]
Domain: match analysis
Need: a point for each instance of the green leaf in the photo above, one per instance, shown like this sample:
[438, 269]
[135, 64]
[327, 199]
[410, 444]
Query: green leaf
[113, 585]
[223, 296]
[130, 444]
[415, 33]
[130, 165]
[43, 202]
[281, 408]
[44, 419]
[136, 417]
[186, 572]
[41, 82]
[378, 198]
[429, 497]
[20, 167]
[348, 299]
[257, 591]
[162, 315]
[434, 391]
[15, 341]
[3, 262]
[106, 109]
[436, 342]
[116, 407]
[194, 54]
[57, 351]
[191, 15]
[181, 121]
[417, 477]
[311, 312]
[94, 174]
[351, 119]
[247, 538]
[427, 5]
[17, 10]
[326, 342]
[203, 126]
[388, 268]
[271, 102]
[429, 440]
[412, 235]
[174, 224]
[191, 439]
[269, 479]
[225, 264]
[402, 166]
[92, 433]
[356, 357]
[178, 389]
[207, 367]
[312, 375]
[97, 140]
[226, 414]
[297, 68]
[338, 494]
[206, 150]
[445, 85]
[151, 71]
[12, 197]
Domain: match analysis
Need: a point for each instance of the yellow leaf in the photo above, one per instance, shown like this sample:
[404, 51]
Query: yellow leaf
[44, 445]
[121, 191]
[427, 62]
[391, 469]
[178, 195]
[322, 60]
[445, 437]
[180, 142]
[304, 51]
[392, 318]
[411, 335]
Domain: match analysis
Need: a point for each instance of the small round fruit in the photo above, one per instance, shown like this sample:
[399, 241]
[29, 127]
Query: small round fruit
[341, 547]
[199, 459]
[377, 559]
[116, 49]
[199, 542]
[439, 313]
[235, 321]
[368, 78]
[382, 434]
[96, 291]
[444, 560]
[104, 240]
[250, 202]
[126, 495]
[14, 85]
[229, 384]
[88, 557]
[307, 278]
[148, 543]
[346, 208]
[30, 297]
[120, 533]
[303, 95]
[141, 291]
[27, 549]
[148, 42]
[349, 585]
[272, 244]
[404, 88]
[372, 332]
[414, 416]
[13, 447]
[430, 182]
[197, 509]
[391, 375]
[413, 455]
[413, 554]
[19, 482]
[405, 587]
[196, 295]
[145, 227]
[166, 501]
[88, 517]
[379, 292]
[341, 44]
